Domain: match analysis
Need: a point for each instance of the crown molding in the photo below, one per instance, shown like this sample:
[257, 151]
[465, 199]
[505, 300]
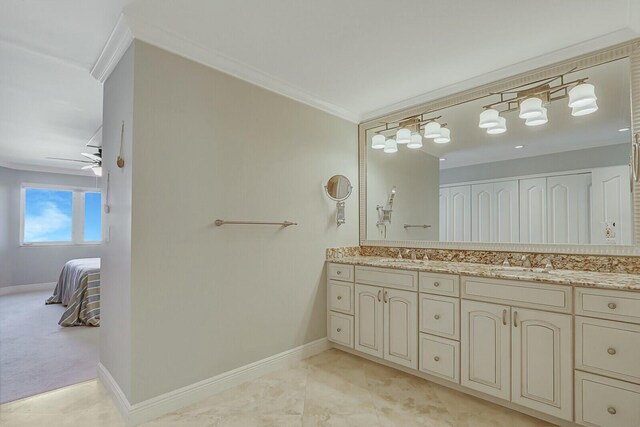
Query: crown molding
[607, 40]
[44, 169]
[117, 44]
[179, 45]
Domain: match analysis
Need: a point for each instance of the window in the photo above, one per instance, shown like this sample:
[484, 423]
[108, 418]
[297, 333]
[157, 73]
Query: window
[57, 215]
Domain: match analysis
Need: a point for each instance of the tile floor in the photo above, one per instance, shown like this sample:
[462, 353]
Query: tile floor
[331, 389]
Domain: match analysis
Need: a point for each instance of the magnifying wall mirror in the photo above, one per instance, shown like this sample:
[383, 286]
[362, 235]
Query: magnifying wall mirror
[339, 189]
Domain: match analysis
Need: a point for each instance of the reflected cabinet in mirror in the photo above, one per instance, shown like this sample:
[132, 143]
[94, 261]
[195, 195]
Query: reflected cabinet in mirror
[543, 160]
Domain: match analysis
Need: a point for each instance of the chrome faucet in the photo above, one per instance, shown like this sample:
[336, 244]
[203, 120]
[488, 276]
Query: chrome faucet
[547, 264]
[411, 254]
[399, 253]
[526, 262]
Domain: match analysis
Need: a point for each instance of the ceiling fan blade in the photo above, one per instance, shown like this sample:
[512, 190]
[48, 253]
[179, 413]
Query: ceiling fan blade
[92, 157]
[69, 160]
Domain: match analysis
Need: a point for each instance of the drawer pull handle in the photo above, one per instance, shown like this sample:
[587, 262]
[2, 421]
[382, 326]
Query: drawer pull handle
[611, 351]
[504, 317]
[379, 292]
[612, 305]
[436, 284]
[611, 410]
[437, 316]
[339, 297]
[338, 329]
[437, 358]
[515, 319]
[386, 299]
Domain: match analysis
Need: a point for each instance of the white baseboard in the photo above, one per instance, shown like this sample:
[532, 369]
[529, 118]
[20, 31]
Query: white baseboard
[168, 402]
[7, 290]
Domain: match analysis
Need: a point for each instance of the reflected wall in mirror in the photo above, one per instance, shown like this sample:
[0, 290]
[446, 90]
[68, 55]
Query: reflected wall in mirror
[550, 164]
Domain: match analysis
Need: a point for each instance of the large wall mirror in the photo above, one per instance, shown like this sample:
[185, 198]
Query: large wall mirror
[542, 160]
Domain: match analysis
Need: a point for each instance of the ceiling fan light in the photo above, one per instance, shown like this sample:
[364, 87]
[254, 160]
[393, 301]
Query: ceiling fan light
[530, 107]
[500, 128]
[416, 141]
[582, 95]
[403, 136]
[585, 109]
[445, 136]
[378, 142]
[390, 146]
[432, 130]
[488, 118]
[537, 121]
[97, 170]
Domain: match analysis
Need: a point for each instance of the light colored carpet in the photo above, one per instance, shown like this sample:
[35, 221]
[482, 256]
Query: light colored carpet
[38, 355]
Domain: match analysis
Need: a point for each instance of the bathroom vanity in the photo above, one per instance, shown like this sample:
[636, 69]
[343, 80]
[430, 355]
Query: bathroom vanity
[560, 345]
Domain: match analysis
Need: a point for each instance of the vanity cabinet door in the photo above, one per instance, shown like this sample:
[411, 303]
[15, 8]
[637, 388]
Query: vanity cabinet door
[568, 208]
[459, 222]
[486, 350]
[482, 213]
[507, 212]
[369, 320]
[401, 327]
[542, 365]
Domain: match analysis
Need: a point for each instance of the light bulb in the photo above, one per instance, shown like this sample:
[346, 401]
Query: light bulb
[500, 128]
[432, 130]
[488, 118]
[445, 136]
[582, 95]
[403, 136]
[416, 141]
[530, 107]
[377, 142]
[390, 146]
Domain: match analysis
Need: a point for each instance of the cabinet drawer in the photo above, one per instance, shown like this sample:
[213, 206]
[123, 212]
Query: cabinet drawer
[440, 316]
[518, 293]
[440, 357]
[441, 284]
[341, 296]
[607, 304]
[341, 329]
[609, 348]
[603, 401]
[387, 277]
[340, 272]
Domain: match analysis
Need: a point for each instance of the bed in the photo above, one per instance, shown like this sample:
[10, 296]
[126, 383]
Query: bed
[78, 289]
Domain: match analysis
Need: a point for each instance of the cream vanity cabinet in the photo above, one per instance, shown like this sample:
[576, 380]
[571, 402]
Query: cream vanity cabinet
[340, 302]
[517, 350]
[386, 315]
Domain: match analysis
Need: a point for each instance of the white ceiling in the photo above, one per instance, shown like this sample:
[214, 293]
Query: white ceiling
[356, 58]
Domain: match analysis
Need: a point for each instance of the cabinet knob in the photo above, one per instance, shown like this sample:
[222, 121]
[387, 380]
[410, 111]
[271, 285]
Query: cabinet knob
[436, 284]
[437, 358]
[612, 305]
[339, 297]
[437, 316]
[338, 272]
[611, 351]
[611, 410]
[338, 329]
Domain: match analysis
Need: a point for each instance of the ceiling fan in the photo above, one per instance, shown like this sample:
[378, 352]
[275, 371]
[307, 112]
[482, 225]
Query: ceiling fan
[93, 160]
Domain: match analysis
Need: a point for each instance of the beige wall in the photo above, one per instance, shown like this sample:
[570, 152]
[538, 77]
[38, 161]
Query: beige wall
[206, 300]
[115, 292]
[415, 174]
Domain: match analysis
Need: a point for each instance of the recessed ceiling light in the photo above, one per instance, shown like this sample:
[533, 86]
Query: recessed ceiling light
[623, 129]
[442, 159]
[519, 146]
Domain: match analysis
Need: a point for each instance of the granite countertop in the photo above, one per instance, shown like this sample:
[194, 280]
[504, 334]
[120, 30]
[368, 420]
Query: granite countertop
[619, 281]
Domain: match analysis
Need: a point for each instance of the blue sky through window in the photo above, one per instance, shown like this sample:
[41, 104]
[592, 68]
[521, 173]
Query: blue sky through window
[48, 215]
[92, 217]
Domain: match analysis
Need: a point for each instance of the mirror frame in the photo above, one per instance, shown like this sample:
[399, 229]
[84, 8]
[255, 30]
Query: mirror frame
[629, 50]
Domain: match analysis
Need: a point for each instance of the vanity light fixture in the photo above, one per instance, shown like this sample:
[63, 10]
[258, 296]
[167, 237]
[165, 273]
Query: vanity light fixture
[408, 131]
[378, 141]
[531, 102]
[517, 147]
